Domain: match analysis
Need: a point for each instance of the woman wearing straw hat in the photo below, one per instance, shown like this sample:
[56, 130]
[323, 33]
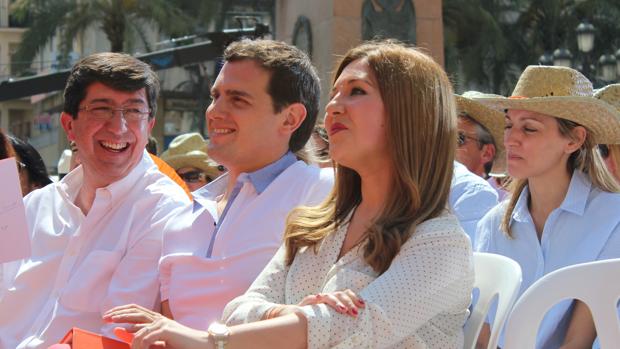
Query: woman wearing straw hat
[611, 152]
[563, 209]
[187, 154]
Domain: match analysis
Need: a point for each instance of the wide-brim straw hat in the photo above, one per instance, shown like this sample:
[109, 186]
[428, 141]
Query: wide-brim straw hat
[563, 93]
[190, 150]
[491, 119]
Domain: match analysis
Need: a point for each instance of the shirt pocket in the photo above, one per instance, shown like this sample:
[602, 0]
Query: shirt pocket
[89, 285]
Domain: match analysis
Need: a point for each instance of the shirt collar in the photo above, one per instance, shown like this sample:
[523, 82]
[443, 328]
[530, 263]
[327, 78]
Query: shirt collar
[575, 200]
[578, 193]
[260, 179]
[71, 183]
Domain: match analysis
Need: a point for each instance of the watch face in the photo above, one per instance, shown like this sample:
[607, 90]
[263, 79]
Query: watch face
[218, 329]
[302, 35]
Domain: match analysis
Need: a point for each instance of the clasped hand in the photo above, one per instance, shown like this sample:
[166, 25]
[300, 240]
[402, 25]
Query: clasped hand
[344, 302]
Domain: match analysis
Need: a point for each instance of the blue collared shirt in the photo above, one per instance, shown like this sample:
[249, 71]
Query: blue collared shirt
[584, 228]
[471, 197]
[260, 180]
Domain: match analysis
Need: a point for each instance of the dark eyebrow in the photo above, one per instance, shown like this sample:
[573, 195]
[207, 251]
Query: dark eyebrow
[109, 101]
[237, 93]
[354, 80]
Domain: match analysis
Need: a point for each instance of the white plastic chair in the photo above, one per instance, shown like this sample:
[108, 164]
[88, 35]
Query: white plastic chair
[499, 276]
[596, 283]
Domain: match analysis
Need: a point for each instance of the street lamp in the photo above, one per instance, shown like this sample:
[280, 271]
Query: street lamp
[585, 43]
[562, 57]
[585, 36]
[608, 67]
[547, 59]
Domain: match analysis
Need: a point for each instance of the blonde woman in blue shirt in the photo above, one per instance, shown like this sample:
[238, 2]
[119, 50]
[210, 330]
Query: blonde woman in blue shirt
[563, 209]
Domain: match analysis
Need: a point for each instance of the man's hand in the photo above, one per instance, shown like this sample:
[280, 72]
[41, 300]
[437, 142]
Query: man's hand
[131, 313]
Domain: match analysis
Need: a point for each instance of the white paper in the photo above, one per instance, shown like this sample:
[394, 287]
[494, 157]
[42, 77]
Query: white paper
[14, 237]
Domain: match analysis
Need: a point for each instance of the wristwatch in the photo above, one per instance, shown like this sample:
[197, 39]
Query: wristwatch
[220, 334]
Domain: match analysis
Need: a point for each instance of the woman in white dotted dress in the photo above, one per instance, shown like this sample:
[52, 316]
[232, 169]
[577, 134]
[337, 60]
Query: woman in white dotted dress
[381, 263]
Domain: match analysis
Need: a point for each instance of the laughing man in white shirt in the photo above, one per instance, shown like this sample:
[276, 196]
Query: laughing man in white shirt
[264, 108]
[96, 235]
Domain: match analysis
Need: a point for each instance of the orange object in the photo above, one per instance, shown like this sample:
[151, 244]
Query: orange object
[123, 335]
[170, 172]
[78, 338]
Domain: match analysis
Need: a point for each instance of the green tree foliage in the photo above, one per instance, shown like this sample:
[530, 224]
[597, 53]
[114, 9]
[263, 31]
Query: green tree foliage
[489, 42]
[119, 20]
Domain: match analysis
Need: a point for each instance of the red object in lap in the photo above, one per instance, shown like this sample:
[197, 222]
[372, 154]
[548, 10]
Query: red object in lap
[77, 338]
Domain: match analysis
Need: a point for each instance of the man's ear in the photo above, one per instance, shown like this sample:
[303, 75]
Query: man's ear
[578, 137]
[488, 153]
[294, 116]
[151, 123]
[66, 120]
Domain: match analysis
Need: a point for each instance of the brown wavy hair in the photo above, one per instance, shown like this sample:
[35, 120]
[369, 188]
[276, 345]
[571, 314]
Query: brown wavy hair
[421, 134]
[585, 159]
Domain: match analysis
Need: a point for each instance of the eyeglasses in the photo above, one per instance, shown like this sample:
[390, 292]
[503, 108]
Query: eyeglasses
[603, 149]
[194, 176]
[104, 113]
[20, 165]
[462, 138]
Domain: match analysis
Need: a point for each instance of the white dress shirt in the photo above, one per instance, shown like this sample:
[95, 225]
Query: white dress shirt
[585, 228]
[82, 266]
[419, 302]
[198, 287]
[471, 197]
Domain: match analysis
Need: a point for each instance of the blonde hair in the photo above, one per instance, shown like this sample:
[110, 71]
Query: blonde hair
[421, 134]
[586, 159]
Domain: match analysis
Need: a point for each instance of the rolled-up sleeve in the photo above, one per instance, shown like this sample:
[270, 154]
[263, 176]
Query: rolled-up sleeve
[264, 293]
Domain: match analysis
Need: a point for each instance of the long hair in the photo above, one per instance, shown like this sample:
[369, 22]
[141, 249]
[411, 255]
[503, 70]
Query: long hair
[421, 134]
[585, 159]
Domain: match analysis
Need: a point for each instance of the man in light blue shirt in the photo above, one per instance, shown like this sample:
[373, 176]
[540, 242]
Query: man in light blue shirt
[471, 197]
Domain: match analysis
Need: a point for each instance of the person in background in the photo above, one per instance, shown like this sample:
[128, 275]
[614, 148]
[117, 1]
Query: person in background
[321, 143]
[6, 149]
[610, 152]
[471, 197]
[33, 173]
[381, 263]
[480, 145]
[96, 236]
[187, 155]
[563, 209]
[151, 146]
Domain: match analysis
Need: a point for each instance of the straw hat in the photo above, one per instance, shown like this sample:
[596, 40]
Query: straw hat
[190, 150]
[609, 94]
[491, 119]
[563, 93]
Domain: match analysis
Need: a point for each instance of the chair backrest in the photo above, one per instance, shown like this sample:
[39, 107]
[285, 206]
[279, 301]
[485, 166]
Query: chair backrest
[596, 283]
[496, 276]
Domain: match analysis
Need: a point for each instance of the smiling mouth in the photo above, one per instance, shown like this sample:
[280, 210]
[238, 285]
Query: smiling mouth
[114, 147]
[222, 131]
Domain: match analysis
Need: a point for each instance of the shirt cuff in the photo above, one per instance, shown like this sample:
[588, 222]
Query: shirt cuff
[319, 324]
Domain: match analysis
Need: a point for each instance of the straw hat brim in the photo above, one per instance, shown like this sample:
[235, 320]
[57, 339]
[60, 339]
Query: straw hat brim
[600, 118]
[198, 160]
[493, 121]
